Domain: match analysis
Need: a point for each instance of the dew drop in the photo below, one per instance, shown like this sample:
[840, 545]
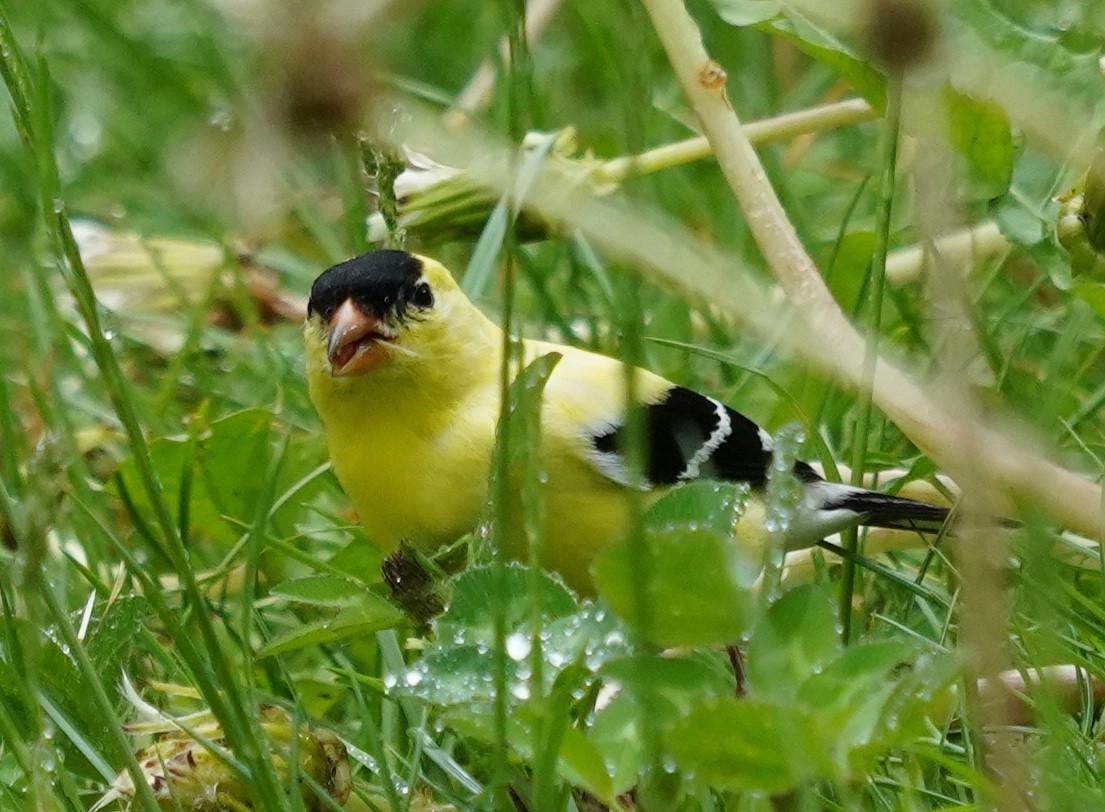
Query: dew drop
[518, 646]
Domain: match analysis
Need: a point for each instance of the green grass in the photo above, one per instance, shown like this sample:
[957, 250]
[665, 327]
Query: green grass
[165, 504]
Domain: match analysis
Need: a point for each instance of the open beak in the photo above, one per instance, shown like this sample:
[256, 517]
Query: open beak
[357, 341]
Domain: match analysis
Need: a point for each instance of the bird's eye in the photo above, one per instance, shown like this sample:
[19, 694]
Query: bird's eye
[423, 296]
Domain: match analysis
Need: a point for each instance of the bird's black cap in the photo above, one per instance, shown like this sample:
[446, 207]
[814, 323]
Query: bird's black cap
[384, 283]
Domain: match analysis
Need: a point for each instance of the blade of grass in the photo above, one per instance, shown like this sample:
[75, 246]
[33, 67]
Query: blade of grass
[31, 94]
[888, 155]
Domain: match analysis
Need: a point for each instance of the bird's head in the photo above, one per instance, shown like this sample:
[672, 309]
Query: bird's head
[387, 314]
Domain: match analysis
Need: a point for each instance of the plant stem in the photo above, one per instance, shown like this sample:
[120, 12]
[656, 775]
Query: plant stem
[516, 65]
[980, 241]
[776, 128]
[888, 154]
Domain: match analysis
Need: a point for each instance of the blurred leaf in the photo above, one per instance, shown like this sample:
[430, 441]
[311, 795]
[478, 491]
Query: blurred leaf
[485, 256]
[112, 638]
[616, 732]
[698, 577]
[1020, 225]
[702, 504]
[359, 558]
[371, 614]
[582, 764]
[317, 697]
[679, 683]
[845, 716]
[527, 391]
[748, 12]
[697, 585]
[321, 590]
[1092, 293]
[224, 473]
[787, 20]
[578, 760]
[853, 258]
[676, 685]
[797, 637]
[1038, 51]
[980, 132]
[875, 696]
[750, 745]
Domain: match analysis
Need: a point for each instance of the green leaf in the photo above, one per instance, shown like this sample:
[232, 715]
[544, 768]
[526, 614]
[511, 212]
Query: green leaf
[874, 697]
[111, 640]
[321, 590]
[316, 696]
[795, 639]
[1038, 53]
[469, 618]
[485, 255]
[359, 558]
[616, 732]
[980, 132]
[748, 12]
[851, 692]
[580, 762]
[675, 685]
[371, 615]
[702, 504]
[853, 258]
[1092, 293]
[1019, 224]
[749, 745]
[697, 582]
[450, 675]
[679, 683]
[458, 669]
[787, 21]
[228, 457]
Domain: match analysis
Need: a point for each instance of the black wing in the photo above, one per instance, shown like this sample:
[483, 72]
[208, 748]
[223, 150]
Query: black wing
[688, 436]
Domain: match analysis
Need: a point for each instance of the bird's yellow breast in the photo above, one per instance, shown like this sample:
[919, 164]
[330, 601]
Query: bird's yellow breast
[424, 487]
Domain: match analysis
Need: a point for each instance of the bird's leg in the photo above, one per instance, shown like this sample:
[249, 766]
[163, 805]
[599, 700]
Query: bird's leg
[412, 585]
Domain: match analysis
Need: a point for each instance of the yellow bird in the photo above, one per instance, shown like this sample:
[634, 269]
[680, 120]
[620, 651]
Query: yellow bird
[404, 371]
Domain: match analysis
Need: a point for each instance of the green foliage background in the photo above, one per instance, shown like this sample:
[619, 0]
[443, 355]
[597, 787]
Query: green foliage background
[232, 128]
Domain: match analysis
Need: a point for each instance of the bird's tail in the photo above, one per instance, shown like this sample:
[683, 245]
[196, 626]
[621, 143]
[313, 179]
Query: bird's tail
[893, 512]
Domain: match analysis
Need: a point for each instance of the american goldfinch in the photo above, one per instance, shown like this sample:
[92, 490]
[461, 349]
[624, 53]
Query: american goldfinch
[404, 371]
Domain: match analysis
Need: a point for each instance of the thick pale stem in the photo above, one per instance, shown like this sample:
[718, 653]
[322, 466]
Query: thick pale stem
[983, 614]
[1014, 690]
[964, 247]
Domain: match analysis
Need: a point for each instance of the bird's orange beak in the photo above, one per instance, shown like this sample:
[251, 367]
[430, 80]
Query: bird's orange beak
[355, 345]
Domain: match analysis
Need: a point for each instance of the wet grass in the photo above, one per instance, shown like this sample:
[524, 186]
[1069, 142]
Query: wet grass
[167, 511]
